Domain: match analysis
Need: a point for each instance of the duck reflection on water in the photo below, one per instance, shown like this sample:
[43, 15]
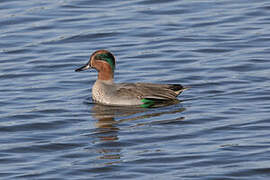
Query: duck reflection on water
[110, 120]
[105, 115]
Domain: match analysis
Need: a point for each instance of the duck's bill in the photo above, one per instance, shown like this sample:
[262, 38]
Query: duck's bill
[85, 67]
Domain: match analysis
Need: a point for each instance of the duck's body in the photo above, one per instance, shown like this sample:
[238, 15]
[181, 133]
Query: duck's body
[107, 92]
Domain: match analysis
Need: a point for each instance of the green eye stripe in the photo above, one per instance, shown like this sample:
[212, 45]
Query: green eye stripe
[108, 58]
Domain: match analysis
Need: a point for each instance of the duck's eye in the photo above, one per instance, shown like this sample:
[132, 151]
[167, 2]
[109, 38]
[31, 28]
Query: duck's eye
[106, 57]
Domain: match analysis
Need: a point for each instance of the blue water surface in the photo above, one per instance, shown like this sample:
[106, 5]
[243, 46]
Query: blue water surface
[51, 129]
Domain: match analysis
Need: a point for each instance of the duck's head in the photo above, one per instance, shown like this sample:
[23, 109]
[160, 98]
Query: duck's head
[103, 61]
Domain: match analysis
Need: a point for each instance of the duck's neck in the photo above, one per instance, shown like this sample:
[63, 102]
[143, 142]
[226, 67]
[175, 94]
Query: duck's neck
[105, 71]
[105, 76]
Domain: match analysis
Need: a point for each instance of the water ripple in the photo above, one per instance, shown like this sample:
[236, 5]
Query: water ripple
[51, 129]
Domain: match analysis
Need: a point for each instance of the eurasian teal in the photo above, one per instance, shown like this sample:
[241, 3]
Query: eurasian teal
[105, 91]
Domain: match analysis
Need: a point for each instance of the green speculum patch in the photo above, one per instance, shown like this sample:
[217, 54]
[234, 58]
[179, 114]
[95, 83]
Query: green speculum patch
[147, 103]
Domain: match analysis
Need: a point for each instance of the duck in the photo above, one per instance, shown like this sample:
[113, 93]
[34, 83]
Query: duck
[105, 91]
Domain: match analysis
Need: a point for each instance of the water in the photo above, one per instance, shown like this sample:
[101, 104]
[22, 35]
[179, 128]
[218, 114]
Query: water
[50, 128]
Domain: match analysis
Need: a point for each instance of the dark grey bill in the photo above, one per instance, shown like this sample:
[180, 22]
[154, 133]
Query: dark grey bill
[85, 67]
